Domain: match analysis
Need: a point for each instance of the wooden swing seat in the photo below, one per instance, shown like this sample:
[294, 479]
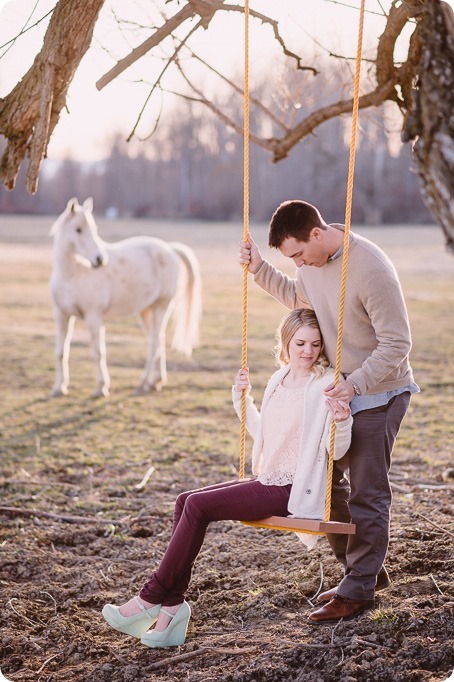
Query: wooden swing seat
[290, 523]
[287, 523]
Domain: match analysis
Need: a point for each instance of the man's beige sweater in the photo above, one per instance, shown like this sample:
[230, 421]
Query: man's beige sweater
[376, 335]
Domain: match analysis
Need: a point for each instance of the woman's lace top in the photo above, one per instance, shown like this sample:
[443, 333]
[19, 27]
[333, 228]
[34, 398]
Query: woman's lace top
[282, 428]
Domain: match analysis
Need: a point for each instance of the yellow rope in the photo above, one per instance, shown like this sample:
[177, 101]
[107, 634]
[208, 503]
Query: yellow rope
[245, 231]
[348, 207]
[348, 211]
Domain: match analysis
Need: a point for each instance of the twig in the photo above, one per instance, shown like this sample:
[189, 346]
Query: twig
[238, 90]
[119, 658]
[21, 615]
[306, 645]
[97, 559]
[80, 558]
[23, 30]
[410, 485]
[435, 524]
[321, 582]
[366, 643]
[161, 33]
[19, 511]
[199, 652]
[333, 644]
[55, 603]
[157, 83]
[399, 488]
[433, 486]
[46, 662]
[145, 479]
[34, 481]
[368, 11]
[314, 596]
[404, 477]
[436, 585]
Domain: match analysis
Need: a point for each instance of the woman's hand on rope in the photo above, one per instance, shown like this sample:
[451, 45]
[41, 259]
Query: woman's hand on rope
[242, 380]
[250, 255]
[342, 391]
[339, 409]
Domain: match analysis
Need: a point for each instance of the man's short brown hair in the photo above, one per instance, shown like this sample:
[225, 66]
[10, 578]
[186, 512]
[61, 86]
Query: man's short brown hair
[296, 219]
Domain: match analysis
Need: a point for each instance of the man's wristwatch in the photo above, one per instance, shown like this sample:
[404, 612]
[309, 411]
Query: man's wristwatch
[355, 387]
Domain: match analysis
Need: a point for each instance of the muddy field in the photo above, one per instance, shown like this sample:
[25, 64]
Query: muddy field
[82, 525]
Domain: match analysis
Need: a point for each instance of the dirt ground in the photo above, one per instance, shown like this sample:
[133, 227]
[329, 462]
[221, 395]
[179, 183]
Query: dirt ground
[80, 525]
[251, 594]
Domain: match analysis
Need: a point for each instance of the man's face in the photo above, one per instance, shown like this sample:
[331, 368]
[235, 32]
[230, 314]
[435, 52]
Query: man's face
[312, 252]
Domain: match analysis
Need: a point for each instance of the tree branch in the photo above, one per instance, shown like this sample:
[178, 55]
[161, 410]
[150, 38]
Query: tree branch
[172, 59]
[30, 112]
[210, 105]
[206, 9]
[41, 132]
[190, 10]
[23, 31]
[388, 78]
[397, 19]
[240, 91]
[281, 147]
[275, 26]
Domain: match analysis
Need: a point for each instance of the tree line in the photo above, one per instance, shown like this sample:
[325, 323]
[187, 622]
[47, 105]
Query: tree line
[192, 168]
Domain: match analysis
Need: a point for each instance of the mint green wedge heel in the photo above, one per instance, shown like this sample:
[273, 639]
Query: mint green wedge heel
[131, 625]
[175, 632]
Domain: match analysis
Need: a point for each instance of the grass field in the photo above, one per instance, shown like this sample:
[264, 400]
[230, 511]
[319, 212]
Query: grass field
[81, 456]
[27, 332]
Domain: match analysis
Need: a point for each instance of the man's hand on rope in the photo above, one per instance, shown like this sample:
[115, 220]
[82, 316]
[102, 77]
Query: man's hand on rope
[343, 391]
[250, 255]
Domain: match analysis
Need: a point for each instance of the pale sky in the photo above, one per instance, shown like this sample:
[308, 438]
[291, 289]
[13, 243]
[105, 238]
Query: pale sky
[95, 115]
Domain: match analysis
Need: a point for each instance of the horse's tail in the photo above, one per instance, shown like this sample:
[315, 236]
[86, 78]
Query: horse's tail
[188, 304]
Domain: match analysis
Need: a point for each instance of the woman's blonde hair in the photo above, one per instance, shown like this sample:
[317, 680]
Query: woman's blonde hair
[301, 317]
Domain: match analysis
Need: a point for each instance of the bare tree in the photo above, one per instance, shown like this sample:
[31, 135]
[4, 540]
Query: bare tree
[421, 86]
[430, 119]
[30, 112]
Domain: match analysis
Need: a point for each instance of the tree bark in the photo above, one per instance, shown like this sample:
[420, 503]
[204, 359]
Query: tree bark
[29, 114]
[430, 122]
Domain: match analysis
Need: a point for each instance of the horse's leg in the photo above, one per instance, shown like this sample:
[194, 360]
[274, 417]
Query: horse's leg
[155, 321]
[64, 326]
[98, 344]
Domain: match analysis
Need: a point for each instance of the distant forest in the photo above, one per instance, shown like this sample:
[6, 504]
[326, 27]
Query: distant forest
[192, 168]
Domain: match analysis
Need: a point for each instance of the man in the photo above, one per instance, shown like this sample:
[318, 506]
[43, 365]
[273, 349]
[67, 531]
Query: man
[377, 380]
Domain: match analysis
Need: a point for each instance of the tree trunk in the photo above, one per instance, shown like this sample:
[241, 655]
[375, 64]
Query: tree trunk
[29, 114]
[430, 122]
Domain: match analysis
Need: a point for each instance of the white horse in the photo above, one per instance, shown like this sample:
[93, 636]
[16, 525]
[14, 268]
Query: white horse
[93, 280]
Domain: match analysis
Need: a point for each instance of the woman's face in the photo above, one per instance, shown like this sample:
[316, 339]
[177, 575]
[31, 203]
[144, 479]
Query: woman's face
[304, 348]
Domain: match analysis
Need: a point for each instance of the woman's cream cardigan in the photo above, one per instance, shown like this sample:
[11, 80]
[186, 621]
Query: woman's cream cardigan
[307, 497]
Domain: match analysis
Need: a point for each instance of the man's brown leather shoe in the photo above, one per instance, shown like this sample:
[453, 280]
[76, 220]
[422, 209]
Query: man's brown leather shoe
[383, 581]
[340, 608]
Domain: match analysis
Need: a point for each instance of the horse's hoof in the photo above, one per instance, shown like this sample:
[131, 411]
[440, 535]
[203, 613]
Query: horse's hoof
[101, 393]
[143, 389]
[59, 392]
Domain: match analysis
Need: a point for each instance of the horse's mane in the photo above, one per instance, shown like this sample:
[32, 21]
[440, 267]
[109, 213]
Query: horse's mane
[56, 224]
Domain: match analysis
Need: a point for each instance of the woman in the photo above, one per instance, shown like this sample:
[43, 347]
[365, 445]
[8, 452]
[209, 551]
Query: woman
[291, 438]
